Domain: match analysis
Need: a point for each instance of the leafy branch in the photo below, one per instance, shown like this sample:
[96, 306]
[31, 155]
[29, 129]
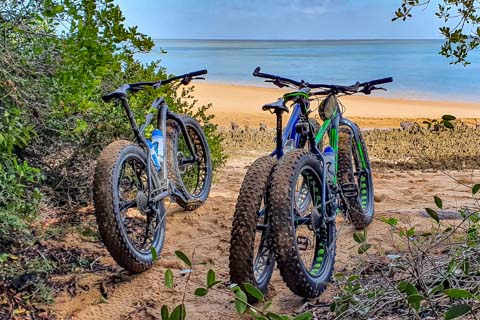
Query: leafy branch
[461, 28]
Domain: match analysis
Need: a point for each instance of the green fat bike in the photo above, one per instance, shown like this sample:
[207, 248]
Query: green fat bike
[290, 211]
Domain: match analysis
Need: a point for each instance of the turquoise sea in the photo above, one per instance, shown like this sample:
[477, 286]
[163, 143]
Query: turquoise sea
[417, 68]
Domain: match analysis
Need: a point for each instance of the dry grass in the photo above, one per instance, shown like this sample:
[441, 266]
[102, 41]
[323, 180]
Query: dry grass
[455, 149]
[240, 140]
[418, 148]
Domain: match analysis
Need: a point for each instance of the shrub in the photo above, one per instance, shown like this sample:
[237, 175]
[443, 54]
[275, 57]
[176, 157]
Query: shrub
[57, 57]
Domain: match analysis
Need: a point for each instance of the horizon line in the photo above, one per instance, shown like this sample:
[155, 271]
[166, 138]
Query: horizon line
[344, 39]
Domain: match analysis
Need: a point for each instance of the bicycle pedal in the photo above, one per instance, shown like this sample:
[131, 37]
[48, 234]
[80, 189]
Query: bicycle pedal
[303, 243]
[350, 190]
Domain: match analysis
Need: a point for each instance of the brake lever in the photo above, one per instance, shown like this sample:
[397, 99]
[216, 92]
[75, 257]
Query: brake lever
[198, 78]
[277, 83]
[379, 88]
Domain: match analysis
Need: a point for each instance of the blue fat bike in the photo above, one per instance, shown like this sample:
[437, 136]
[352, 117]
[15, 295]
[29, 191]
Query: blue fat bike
[287, 206]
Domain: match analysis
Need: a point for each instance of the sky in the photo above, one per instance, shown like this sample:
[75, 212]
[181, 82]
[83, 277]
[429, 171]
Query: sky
[277, 19]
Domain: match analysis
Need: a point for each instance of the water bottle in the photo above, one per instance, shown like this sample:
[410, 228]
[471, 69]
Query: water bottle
[329, 156]
[156, 148]
[289, 146]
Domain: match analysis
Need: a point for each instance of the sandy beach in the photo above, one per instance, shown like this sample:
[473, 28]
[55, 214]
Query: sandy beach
[242, 105]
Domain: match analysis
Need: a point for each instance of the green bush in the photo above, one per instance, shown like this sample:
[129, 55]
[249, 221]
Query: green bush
[57, 57]
[435, 275]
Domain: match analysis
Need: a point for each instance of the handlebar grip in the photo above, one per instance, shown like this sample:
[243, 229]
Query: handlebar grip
[380, 81]
[198, 73]
[118, 93]
[257, 73]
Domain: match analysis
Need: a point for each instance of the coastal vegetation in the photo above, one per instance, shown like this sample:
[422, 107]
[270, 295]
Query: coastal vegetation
[57, 57]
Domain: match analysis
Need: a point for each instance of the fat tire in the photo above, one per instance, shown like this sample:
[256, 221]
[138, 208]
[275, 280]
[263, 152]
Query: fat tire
[105, 186]
[173, 133]
[359, 217]
[244, 224]
[281, 195]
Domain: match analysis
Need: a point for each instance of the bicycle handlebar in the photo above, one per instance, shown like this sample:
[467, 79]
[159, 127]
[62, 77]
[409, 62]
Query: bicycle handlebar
[257, 73]
[124, 89]
[280, 82]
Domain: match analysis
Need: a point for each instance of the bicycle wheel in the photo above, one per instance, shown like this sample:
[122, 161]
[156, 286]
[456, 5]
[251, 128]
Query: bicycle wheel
[127, 227]
[355, 178]
[251, 254]
[304, 240]
[192, 180]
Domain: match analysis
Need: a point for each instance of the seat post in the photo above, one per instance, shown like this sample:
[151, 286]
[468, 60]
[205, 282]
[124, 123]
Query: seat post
[279, 113]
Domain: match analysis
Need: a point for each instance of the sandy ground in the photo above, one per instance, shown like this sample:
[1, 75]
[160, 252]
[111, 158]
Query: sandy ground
[242, 104]
[205, 233]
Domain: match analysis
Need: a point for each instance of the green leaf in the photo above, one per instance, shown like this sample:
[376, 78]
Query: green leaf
[438, 202]
[448, 117]
[179, 313]
[210, 278]
[390, 221]
[200, 292]
[433, 214]
[164, 312]
[364, 248]
[407, 288]
[253, 291]
[476, 189]
[458, 293]
[182, 256]
[153, 251]
[448, 124]
[414, 300]
[267, 305]
[274, 316]
[457, 310]
[447, 229]
[304, 316]
[169, 278]
[240, 301]
[353, 277]
[359, 237]
[58, 9]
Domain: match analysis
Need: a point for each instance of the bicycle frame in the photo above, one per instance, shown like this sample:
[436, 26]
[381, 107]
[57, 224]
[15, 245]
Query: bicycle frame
[330, 127]
[163, 114]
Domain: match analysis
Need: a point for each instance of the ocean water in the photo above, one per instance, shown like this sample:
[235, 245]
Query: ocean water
[418, 70]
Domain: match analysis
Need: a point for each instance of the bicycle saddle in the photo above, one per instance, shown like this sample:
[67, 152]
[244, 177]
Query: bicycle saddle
[274, 106]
